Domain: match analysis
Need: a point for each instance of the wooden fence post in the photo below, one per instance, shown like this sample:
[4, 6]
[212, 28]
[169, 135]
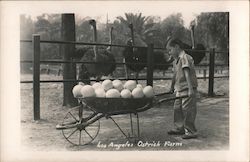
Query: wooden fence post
[211, 72]
[67, 51]
[36, 76]
[205, 74]
[150, 64]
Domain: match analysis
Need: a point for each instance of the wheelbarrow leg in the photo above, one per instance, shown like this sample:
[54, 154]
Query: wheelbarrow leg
[135, 133]
[80, 113]
[131, 124]
[118, 127]
[138, 126]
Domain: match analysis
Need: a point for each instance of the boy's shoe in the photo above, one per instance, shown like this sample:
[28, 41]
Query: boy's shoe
[176, 132]
[189, 135]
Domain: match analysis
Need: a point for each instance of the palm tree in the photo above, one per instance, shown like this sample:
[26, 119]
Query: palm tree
[140, 23]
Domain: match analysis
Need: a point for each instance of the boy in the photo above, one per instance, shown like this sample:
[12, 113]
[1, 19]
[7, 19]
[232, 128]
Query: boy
[184, 82]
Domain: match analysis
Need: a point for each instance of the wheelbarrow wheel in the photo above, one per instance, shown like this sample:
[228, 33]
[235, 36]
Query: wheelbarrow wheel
[76, 126]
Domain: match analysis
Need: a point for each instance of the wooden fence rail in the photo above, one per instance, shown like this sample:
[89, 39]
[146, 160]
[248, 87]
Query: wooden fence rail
[123, 79]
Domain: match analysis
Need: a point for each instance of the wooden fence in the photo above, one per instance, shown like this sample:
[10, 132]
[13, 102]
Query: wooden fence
[149, 74]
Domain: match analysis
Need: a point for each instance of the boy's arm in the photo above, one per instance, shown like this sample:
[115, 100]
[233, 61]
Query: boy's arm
[172, 83]
[190, 87]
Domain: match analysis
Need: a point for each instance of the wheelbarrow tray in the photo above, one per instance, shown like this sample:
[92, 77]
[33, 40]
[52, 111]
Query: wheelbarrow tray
[88, 125]
[117, 105]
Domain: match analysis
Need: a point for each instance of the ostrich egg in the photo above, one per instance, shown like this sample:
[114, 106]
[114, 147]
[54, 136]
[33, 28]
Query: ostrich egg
[125, 93]
[100, 92]
[148, 91]
[88, 91]
[77, 90]
[117, 84]
[107, 84]
[116, 80]
[130, 84]
[113, 93]
[137, 93]
[139, 86]
[97, 85]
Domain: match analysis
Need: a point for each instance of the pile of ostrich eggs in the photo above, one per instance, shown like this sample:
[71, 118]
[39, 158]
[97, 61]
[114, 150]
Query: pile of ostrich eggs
[97, 85]
[100, 92]
[113, 93]
[117, 84]
[77, 90]
[125, 93]
[137, 93]
[130, 84]
[87, 91]
[148, 91]
[107, 84]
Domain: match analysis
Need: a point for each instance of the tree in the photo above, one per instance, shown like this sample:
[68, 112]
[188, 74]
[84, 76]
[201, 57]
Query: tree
[49, 27]
[26, 31]
[83, 31]
[154, 34]
[215, 27]
[213, 30]
[26, 27]
[121, 32]
[139, 22]
[142, 26]
[173, 26]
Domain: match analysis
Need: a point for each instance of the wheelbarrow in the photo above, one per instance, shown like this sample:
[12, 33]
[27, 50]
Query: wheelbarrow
[81, 124]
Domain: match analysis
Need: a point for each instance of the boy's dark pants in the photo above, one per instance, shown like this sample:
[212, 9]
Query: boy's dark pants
[185, 112]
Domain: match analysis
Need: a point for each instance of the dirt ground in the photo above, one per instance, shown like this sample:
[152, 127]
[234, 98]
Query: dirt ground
[212, 123]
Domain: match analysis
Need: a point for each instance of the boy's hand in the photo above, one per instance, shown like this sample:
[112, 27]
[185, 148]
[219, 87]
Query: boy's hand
[172, 90]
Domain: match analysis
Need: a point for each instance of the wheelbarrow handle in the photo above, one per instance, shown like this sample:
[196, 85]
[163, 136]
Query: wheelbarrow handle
[171, 98]
[161, 94]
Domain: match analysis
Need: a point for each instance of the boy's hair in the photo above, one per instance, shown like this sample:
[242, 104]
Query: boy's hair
[173, 42]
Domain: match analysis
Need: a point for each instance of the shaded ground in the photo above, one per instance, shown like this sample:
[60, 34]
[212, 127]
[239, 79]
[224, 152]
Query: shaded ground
[212, 123]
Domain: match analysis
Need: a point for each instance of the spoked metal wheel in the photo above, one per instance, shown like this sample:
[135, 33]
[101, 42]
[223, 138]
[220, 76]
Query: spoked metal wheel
[78, 126]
